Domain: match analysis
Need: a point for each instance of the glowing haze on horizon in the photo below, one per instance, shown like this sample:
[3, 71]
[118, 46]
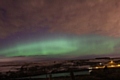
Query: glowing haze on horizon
[70, 46]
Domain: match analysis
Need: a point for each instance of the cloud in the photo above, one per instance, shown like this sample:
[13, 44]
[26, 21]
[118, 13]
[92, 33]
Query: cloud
[69, 16]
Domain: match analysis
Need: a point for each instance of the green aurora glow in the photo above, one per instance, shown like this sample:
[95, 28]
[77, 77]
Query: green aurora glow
[63, 46]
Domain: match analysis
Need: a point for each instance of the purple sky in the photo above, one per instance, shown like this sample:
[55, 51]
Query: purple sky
[32, 20]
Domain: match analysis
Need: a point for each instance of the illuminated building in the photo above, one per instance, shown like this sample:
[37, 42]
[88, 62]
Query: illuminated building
[110, 64]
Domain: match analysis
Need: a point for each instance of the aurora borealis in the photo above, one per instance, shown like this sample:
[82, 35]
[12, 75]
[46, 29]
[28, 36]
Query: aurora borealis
[59, 28]
[76, 46]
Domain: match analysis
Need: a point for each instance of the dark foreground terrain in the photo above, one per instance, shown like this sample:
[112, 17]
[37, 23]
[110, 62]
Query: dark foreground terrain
[68, 69]
[98, 74]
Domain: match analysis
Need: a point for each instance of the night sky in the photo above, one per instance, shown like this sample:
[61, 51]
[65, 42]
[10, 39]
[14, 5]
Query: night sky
[59, 28]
